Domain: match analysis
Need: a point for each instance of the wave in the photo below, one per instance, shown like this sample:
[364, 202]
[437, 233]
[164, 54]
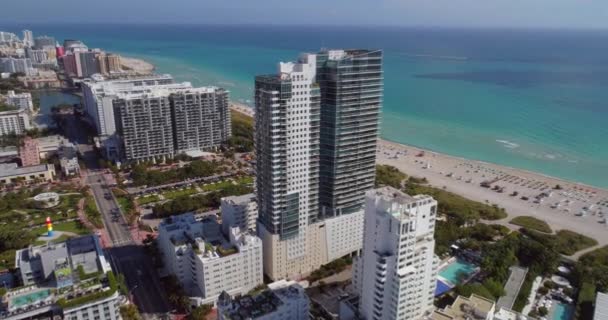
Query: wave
[508, 144]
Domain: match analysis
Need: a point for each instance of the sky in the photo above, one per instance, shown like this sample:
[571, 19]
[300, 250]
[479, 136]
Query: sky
[560, 14]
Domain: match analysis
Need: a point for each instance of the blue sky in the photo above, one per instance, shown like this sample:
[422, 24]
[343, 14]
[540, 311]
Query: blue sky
[571, 14]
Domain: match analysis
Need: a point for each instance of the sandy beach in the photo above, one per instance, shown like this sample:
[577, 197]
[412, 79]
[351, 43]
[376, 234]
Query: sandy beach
[136, 65]
[575, 206]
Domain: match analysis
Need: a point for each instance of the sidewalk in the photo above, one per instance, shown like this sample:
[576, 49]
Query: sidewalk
[102, 233]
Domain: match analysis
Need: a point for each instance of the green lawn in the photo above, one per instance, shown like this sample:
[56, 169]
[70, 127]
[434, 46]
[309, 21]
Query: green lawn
[226, 183]
[564, 241]
[92, 213]
[148, 199]
[532, 223]
[7, 259]
[172, 194]
[70, 226]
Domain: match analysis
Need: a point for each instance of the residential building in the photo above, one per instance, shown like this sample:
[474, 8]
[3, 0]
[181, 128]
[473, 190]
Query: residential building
[74, 45]
[239, 211]
[601, 307]
[89, 62]
[15, 121]
[17, 65]
[151, 117]
[7, 37]
[351, 83]
[29, 152]
[143, 123]
[99, 96]
[99, 93]
[208, 262]
[44, 41]
[108, 63]
[396, 273]
[62, 280]
[10, 173]
[28, 38]
[68, 159]
[286, 145]
[315, 146]
[113, 63]
[474, 307]
[20, 100]
[201, 118]
[36, 55]
[283, 300]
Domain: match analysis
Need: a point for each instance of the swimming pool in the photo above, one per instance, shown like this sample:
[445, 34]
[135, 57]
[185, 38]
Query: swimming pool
[442, 288]
[29, 298]
[561, 311]
[454, 270]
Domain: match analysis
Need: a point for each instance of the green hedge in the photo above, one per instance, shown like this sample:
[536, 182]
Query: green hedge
[113, 284]
[532, 223]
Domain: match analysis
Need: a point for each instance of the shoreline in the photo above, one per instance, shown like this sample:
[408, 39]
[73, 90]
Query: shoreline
[561, 209]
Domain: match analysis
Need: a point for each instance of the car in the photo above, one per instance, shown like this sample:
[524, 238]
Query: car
[107, 196]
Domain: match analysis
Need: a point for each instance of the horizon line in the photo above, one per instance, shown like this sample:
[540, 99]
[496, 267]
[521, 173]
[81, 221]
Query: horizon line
[302, 25]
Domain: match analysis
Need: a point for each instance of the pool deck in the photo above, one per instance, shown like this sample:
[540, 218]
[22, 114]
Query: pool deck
[514, 283]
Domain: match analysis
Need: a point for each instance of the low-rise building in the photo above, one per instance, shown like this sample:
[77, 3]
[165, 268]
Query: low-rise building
[208, 262]
[68, 159]
[240, 211]
[71, 280]
[283, 300]
[601, 307]
[11, 173]
[20, 100]
[463, 308]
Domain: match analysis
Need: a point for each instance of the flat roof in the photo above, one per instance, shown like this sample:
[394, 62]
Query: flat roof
[11, 169]
[601, 306]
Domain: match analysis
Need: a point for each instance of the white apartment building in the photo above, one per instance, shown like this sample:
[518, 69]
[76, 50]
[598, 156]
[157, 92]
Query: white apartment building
[151, 117]
[21, 100]
[104, 309]
[28, 38]
[98, 96]
[283, 300]
[239, 211]
[14, 121]
[207, 262]
[397, 272]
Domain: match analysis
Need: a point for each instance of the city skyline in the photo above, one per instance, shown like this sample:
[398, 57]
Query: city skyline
[561, 14]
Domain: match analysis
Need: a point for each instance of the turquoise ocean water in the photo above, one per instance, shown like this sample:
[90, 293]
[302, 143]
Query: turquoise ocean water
[536, 100]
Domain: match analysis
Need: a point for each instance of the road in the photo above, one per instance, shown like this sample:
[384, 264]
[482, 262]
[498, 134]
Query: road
[126, 256]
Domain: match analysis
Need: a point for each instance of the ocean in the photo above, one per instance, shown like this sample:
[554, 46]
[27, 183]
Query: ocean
[535, 100]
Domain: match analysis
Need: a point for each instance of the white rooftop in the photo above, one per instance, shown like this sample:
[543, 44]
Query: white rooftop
[601, 307]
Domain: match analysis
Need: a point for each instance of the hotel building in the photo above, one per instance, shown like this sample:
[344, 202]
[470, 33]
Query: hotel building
[207, 262]
[397, 272]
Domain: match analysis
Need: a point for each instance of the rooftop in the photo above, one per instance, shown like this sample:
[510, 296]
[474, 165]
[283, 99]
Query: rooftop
[204, 236]
[265, 302]
[474, 307]
[601, 306]
[11, 169]
[242, 199]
